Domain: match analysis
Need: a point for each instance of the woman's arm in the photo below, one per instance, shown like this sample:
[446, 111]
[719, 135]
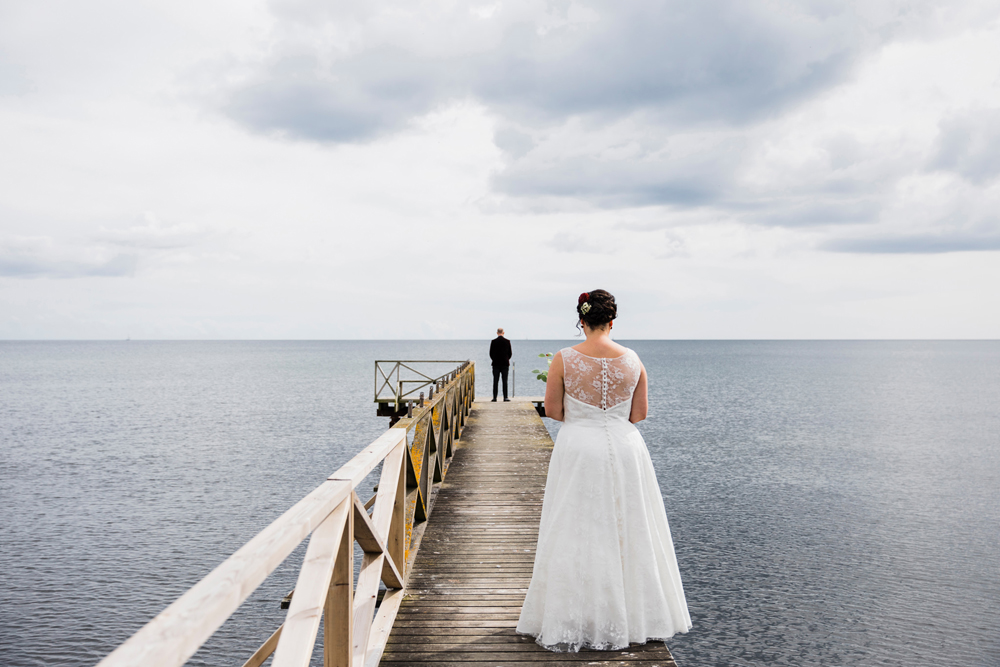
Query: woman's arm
[554, 389]
[640, 399]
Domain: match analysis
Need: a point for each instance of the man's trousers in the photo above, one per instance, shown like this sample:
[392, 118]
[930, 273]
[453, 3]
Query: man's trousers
[500, 372]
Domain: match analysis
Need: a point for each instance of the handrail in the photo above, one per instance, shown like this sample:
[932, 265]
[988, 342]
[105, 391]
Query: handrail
[392, 381]
[355, 625]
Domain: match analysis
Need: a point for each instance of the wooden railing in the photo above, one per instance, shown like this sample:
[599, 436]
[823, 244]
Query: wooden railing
[355, 624]
[397, 384]
[398, 381]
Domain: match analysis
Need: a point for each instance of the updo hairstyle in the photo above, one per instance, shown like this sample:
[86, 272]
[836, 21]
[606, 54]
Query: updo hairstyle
[600, 309]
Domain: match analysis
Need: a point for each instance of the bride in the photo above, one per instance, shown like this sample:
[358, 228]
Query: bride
[605, 573]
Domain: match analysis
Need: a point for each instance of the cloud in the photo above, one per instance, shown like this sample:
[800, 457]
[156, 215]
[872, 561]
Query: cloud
[152, 235]
[955, 226]
[107, 252]
[573, 242]
[13, 79]
[39, 257]
[917, 244]
[969, 145]
[714, 61]
[814, 210]
[358, 99]
[626, 164]
[513, 141]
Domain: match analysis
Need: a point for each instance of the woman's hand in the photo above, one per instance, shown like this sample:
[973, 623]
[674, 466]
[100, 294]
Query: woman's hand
[554, 389]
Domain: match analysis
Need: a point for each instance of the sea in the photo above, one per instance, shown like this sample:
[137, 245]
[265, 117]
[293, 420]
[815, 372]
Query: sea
[831, 502]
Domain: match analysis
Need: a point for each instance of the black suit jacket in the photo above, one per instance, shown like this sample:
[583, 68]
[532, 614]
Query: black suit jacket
[500, 352]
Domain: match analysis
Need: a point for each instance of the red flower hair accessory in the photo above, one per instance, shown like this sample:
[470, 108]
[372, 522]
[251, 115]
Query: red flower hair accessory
[583, 297]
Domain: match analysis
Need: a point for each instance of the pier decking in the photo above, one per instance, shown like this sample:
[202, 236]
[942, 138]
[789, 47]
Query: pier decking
[468, 580]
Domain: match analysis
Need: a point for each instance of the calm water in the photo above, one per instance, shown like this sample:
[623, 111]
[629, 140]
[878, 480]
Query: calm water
[832, 503]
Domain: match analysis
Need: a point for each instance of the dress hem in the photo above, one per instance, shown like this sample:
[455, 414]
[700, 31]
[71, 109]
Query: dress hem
[571, 647]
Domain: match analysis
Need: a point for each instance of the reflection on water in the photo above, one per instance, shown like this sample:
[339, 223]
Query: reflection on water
[831, 502]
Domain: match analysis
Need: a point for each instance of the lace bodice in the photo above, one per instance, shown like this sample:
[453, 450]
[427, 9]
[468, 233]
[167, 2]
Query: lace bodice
[602, 383]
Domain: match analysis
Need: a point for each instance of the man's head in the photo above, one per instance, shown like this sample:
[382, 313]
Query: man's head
[500, 331]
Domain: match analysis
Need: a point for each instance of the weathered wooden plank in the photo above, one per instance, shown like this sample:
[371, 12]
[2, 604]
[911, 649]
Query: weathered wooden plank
[421, 622]
[486, 572]
[364, 530]
[495, 582]
[479, 530]
[477, 567]
[338, 612]
[480, 537]
[508, 554]
[538, 662]
[504, 645]
[388, 483]
[365, 597]
[507, 580]
[395, 536]
[405, 632]
[448, 568]
[370, 539]
[481, 612]
[299, 635]
[473, 552]
[465, 591]
[539, 656]
[450, 576]
[590, 662]
[491, 601]
[382, 626]
[478, 639]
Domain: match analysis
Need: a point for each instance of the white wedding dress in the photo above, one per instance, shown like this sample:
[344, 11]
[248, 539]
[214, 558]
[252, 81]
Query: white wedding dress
[605, 573]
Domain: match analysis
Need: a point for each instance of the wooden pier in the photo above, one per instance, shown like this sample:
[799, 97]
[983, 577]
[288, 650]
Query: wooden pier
[468, 580]
[449, 536]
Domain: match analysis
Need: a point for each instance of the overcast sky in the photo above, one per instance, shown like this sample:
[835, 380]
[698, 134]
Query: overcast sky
[422, 169]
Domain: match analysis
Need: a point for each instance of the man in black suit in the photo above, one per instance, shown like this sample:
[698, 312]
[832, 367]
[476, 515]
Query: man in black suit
[500, 354]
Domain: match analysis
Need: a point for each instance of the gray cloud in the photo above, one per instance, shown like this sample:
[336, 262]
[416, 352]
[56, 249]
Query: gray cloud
[953, 234]
[26, 265]
[108, 252]
[513, 141]
[917, 244]
[13, 79]
[152, 235]
[815, 210]
[574, 242]
[358, 99]
[620, 184]
[713, 61]
[969, 145]
[681, 171]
